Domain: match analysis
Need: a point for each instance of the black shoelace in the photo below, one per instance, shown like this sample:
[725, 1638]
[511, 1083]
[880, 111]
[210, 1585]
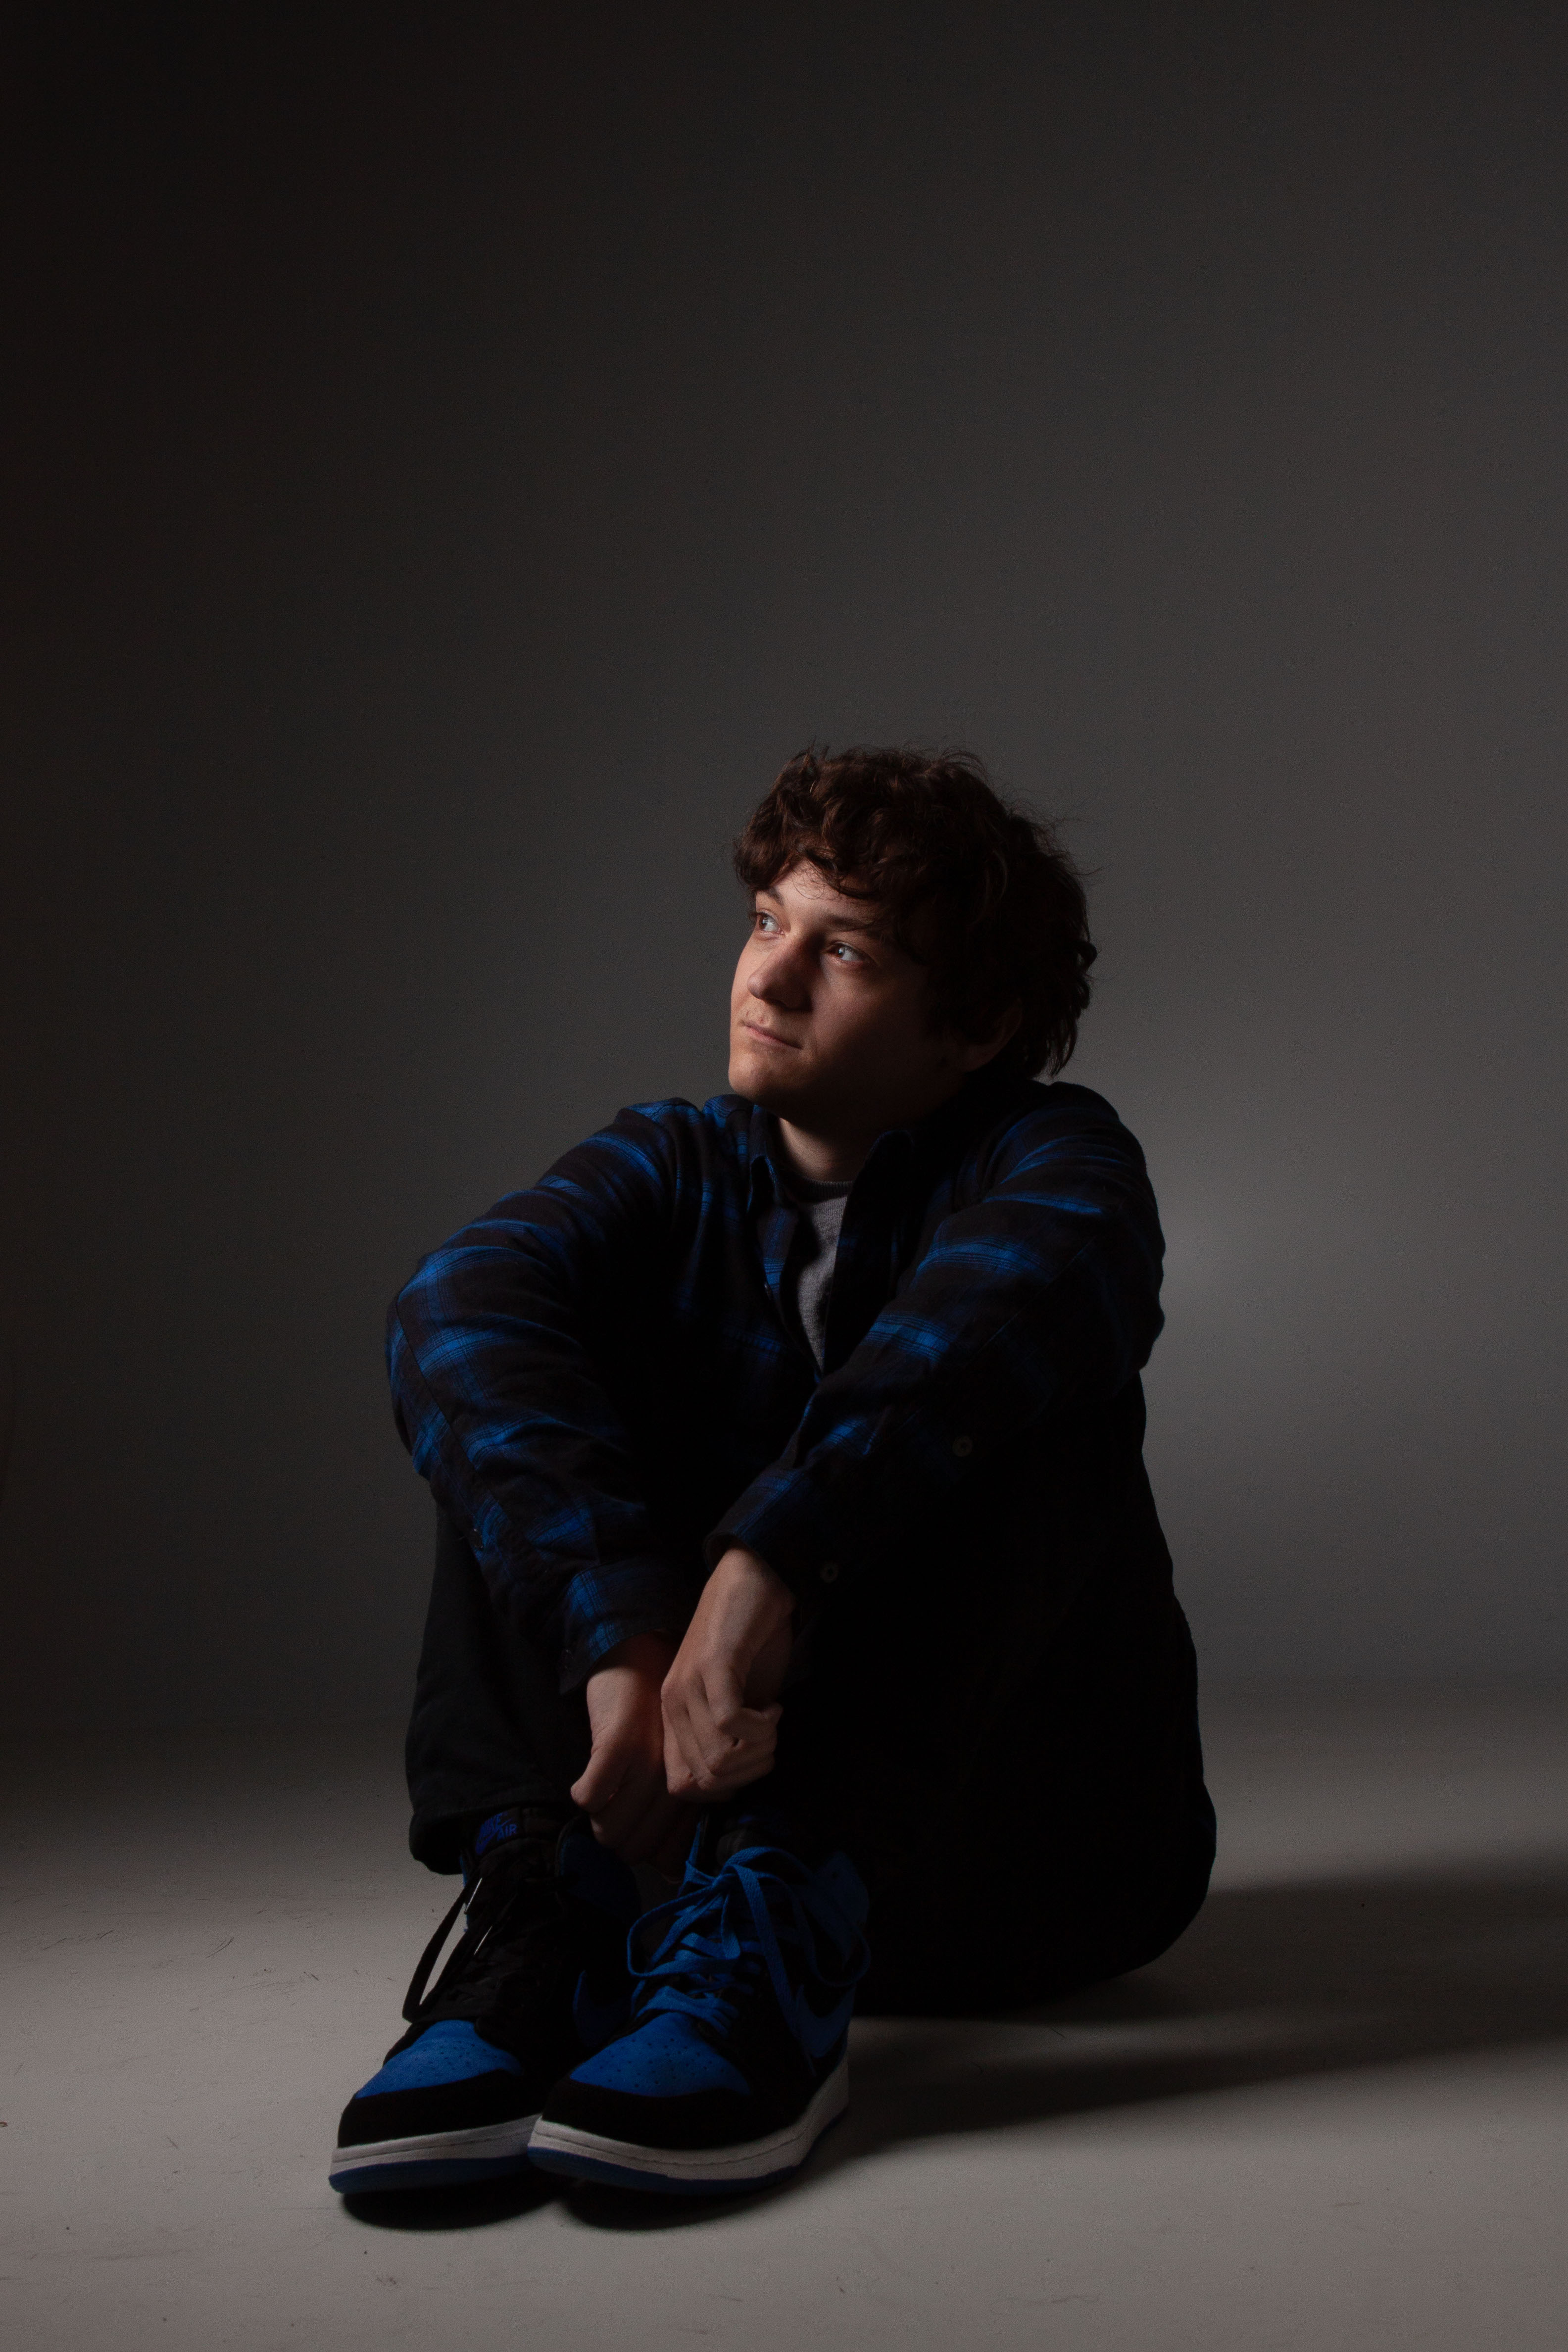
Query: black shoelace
[511, 1940]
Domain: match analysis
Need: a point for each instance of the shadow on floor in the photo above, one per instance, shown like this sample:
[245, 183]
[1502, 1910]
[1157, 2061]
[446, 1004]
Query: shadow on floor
[471, 2207]
[1269, 1984]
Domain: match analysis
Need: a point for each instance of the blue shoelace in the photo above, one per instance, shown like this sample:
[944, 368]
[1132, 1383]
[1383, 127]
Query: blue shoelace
[725, 1929]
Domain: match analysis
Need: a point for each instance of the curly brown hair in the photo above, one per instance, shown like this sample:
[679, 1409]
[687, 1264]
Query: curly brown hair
[969, 885]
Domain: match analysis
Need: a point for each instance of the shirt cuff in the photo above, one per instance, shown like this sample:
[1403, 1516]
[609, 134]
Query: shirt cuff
[805, 1536]
[603, 1607]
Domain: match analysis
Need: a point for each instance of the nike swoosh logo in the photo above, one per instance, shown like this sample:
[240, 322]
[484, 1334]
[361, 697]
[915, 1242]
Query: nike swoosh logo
[820, 2033]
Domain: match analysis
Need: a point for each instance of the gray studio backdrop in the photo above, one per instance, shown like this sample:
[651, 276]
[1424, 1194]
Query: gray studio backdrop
[464, 451]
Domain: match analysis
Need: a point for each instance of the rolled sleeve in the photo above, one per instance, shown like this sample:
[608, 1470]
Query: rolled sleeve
[498, 1396]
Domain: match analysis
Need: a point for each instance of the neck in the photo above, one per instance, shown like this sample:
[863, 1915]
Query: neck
[823, 1158]
[830, 1156]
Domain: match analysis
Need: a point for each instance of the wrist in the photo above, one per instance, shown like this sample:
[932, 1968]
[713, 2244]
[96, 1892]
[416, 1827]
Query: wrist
[739, 1568]
[647, 1654]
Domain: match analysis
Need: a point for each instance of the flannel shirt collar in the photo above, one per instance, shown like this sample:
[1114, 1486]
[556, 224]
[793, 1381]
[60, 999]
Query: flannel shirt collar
[923, 1142]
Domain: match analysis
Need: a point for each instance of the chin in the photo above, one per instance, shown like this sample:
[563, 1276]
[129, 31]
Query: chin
[750, 1077]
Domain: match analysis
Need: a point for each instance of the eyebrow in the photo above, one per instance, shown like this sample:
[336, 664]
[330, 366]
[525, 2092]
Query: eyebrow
[839, 923]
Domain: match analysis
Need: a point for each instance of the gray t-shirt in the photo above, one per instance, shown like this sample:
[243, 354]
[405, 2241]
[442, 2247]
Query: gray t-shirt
[808, 1271]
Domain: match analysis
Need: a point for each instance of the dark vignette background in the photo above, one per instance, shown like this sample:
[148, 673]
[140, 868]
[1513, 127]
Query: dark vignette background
[459, 451]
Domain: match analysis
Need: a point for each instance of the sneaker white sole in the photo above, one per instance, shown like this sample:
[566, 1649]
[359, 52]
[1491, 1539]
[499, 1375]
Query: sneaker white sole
[432, 2159]
[692, 2171]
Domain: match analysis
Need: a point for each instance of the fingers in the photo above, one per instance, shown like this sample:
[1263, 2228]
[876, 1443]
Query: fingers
[648, 1825]
[601, 1778]
[714, 1705]
[663, 1836]
[707, 1787]
[623, 1787]
[737, 1648]
[616, 1823]
[714, 1743]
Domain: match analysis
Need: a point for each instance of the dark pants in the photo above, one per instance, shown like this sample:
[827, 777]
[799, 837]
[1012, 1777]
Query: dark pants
[1022, 1792]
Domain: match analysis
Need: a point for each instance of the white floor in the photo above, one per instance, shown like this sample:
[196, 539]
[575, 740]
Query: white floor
[1335, 2116]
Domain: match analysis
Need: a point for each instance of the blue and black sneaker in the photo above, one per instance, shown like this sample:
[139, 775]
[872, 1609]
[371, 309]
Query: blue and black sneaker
[538, 1978]
[735, 2058]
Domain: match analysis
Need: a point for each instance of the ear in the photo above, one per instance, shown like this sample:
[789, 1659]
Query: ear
[975, 1053]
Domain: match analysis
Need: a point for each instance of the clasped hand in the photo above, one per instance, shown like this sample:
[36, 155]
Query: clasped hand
[678, 1726]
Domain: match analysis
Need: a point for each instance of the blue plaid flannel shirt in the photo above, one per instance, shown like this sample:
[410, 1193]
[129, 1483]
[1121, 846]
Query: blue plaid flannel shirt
[601, 1384]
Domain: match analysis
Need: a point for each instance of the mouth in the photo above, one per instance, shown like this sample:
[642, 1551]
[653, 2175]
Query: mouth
[769, 1037]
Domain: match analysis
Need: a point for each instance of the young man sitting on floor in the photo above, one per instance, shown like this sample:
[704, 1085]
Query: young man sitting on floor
[794, 1525]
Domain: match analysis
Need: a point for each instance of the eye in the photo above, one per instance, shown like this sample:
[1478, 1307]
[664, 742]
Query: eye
[850, 955]
[761, 918]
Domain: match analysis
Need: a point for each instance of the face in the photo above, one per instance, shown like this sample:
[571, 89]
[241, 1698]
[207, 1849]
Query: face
[830, 1025]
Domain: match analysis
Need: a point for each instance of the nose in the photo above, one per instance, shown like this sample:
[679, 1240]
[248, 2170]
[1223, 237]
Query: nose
[778, 977]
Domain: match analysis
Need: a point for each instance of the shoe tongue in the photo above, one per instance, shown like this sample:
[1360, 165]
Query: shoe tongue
[517, 1825]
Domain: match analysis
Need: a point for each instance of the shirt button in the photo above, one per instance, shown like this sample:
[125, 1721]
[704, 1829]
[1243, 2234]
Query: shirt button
[828, 1571]
[962, 1446]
